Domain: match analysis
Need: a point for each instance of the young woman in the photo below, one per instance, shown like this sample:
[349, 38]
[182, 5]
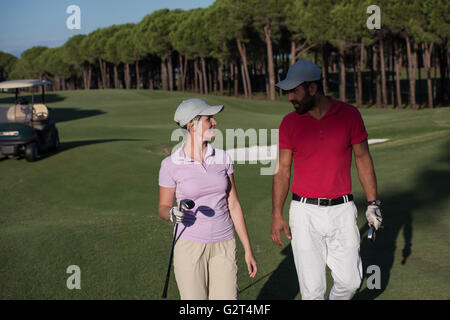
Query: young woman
[205, 260]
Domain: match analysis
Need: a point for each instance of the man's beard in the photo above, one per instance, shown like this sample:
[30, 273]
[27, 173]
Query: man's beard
[305, 105]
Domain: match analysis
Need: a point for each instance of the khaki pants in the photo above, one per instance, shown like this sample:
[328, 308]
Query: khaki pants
[206, 270]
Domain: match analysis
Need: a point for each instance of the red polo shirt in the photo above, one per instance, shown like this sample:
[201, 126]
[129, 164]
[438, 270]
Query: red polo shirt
[322, 149]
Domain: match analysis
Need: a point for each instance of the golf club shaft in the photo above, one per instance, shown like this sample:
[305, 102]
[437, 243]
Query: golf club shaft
[166, 285]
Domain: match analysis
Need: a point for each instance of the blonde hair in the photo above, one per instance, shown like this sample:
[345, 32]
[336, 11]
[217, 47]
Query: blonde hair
[193, 123]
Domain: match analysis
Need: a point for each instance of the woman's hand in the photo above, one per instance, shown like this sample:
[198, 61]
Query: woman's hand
[251, 264]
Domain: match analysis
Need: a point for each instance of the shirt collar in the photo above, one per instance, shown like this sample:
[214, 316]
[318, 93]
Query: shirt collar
[334, 108]
[180, 157]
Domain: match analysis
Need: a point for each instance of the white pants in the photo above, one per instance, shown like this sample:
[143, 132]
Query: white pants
[326, 236]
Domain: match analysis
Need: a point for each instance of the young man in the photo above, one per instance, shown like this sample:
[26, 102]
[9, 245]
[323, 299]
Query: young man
[319, 136]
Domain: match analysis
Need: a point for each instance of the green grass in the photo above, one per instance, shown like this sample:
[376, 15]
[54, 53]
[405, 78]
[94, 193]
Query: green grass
[94, 203]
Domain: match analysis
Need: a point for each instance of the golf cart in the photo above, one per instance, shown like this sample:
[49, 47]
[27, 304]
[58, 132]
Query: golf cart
[25, 128]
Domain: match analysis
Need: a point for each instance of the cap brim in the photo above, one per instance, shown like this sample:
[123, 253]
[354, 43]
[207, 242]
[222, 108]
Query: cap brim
[288, 84]
[212, 110]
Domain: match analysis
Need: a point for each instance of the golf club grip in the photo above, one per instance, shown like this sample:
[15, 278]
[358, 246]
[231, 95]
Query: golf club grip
[166, 284]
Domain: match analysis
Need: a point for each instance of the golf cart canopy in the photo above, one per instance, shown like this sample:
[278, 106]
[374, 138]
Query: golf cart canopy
[27, 83]
[17, 84]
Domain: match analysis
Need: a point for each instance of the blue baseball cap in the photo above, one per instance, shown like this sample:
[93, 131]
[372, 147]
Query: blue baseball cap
[299, 72]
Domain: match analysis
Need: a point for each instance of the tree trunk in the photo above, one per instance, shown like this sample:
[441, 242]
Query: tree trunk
[197, 80]
[436, 62]
[127, 76]
[293, 51]
[298, 50]
[391, 74]
[325, 69]
[236, 79]
[411, 72]
[108, 76]
[205, 79]
[116, 77]
[398, 64]
[270, 66]
[443, 66]
[103, 72]
[220, 75]
[185, 68]
[85, 78]
[377, 77]
[138, 77]
[244, 80]
[170, 70]
[342, 74]
[383, 73]
[245, 74]
[360, 66]
[180, 73]
[164, 80]
[427, 52]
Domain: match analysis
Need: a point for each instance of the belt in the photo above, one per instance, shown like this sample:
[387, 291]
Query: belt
[323, 202]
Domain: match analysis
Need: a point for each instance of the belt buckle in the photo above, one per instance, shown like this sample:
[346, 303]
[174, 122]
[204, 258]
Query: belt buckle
[320, 199]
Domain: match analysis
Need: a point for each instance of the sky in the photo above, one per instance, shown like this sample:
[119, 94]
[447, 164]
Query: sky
[28, 23]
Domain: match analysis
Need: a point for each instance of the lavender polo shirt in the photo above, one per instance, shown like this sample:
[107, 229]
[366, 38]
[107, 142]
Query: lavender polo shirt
[207, 185]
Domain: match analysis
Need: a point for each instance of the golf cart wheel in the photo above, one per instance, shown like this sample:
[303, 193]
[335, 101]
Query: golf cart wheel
[56, 142]
[31, 152]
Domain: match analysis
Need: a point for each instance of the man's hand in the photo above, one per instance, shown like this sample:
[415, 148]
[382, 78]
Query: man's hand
[176, 216]
[278, 225]
[373, 215]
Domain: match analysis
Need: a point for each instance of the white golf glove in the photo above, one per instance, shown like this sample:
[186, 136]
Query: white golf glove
[176, 216]
[373, 215]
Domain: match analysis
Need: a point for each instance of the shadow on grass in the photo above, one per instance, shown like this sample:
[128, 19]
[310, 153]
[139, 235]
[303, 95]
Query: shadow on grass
[65, 146]
[283, 282]
[57, 114]
[431, 188]
[69, 114]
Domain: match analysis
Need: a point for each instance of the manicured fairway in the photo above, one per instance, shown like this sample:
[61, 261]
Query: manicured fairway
[94, 203]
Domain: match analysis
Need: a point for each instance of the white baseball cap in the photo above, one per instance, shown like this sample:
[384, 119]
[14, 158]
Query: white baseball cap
[189, 109]
[299, 72]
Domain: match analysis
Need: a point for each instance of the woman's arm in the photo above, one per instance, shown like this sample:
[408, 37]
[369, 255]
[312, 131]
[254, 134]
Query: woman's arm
[166, 196]
[241, 229]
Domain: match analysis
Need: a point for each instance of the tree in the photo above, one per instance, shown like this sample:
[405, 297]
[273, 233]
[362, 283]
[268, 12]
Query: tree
[27, 66]
[7, 62]
[54, 67]
[73, 54]
[154, 37]
[437, 32]
[348, 18]
[191, 39]
[123, 47]
[267, 20]
[403, 17]
[237, 22]
[312, 13]
[301, 41]
[95, 44]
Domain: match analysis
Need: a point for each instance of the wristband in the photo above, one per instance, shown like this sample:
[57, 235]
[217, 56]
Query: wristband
[374, 202]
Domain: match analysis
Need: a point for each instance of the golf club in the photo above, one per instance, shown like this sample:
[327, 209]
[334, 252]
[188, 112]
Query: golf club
[371, 234]
[187, 204]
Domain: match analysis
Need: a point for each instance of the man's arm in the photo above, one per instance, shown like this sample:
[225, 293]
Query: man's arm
[280, 189]
[366, 171]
